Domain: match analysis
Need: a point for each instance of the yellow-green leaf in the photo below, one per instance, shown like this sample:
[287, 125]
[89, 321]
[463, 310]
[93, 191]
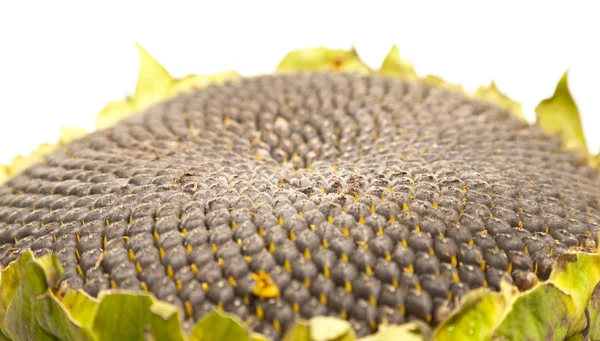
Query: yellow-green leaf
[322, 59]
[595, 161]
[217, 326]
[131, 316]
[4, 174]
[68, 134]
[594, 311]
[325, 328]
[299, 332]
[154, 82]
[394, 65]
[192, 82]
[559, 115]
[20, 163]
[82, 307]
[113, 112]
[492, 95]
[52, 269]
[10, 281]
[258, 337]
[577, 275]
[34, 312]
[553, 309]
[442, 83]
[155, 85]
[411, 331]
[476, 317]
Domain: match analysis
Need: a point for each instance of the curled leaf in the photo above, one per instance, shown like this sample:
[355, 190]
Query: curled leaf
[322, 59]
[34, 312]
[559, 115]
[492, 95]
[594, 314]
[553, 309]
[394, 65]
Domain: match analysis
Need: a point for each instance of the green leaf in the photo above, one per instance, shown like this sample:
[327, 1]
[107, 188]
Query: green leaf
[536, 316]
[35, 313]
[258, 337]
[322, 59]
[394, 65]
[476, 317]
[577, 275]
[559, 115]
[321, 328]
[10, 279]
[4, 337]
[82, 307]
[51, 269]
[411, 331]
[299, 332]
[219, 327]
[492, 95]
[555, 308]
[552, 309]
[154, 82]
[594, 312]
[132, 316]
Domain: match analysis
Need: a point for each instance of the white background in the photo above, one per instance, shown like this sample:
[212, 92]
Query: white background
[61, 61]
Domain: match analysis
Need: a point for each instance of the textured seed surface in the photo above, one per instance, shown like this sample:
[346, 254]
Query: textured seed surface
[284, 197]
